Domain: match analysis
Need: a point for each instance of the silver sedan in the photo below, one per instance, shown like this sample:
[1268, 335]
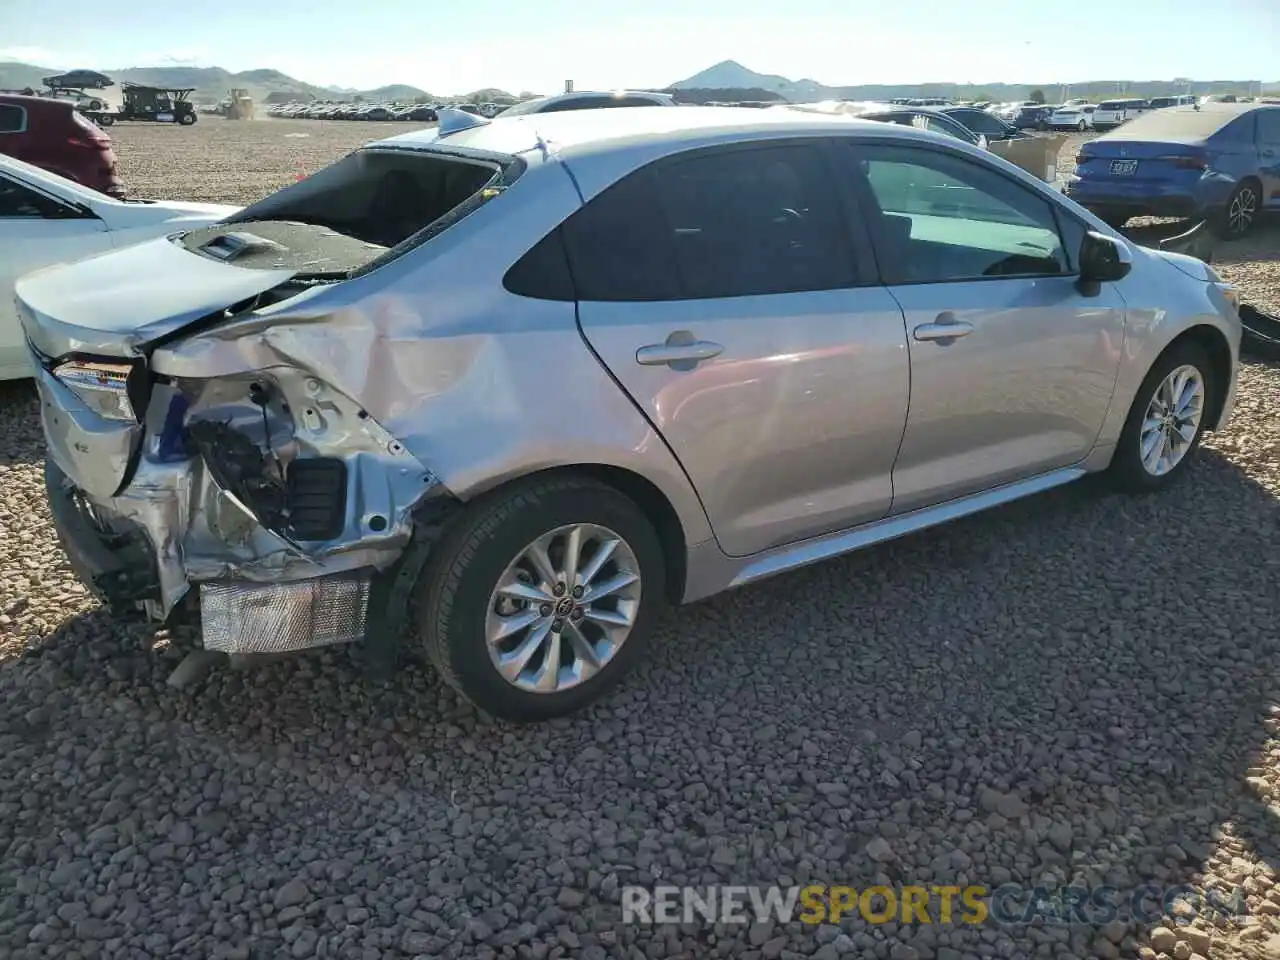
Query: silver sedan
[501, 389]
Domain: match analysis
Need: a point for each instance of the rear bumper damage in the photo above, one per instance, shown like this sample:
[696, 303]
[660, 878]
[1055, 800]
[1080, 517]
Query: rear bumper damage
[271, 501]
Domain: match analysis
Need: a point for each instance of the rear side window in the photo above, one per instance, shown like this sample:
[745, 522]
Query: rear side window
[12, 119]
[1269, 126]
[585, 103]
[730, 223]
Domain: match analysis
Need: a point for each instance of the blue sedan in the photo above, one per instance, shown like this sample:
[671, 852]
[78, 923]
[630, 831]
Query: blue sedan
[1219, 161]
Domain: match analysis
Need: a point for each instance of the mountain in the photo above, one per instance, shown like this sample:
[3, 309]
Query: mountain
[731, 75]
[210, 83]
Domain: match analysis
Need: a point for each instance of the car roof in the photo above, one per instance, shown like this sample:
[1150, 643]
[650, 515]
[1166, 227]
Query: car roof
[1185, 124]
[578, 132]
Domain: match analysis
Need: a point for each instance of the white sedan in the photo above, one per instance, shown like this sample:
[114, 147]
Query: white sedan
[46, 220]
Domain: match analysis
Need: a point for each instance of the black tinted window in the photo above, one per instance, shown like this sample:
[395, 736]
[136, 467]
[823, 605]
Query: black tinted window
[978, 121]
[728, 224]
[634, 102]
[12, 119]
[543, 272]
[619, 245]
[18, 201]
[1269, 126]
[585, 103]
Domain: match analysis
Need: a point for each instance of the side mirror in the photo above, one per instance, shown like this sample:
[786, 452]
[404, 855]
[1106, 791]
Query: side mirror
[1103, 259]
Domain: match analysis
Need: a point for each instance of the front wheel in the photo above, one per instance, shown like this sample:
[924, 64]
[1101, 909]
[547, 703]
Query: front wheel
[1082, 126]
[1166, 421]
[541, 596]
[187, 119]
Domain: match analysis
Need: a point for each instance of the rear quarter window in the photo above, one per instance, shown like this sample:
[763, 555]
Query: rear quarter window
[13, 119]
[1269, 126]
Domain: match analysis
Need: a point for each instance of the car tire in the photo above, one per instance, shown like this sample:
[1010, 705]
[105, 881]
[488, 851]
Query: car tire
[1240, 212]
[487, 596]
[1082, 126]
[1158, 421]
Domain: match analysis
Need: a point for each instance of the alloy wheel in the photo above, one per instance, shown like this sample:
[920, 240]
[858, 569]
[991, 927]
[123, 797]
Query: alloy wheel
[563, 608]
[1172, 420]
[1244, 205]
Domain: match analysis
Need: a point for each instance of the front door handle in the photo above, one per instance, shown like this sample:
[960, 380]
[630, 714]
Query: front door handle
[944, 331]
[682, 351]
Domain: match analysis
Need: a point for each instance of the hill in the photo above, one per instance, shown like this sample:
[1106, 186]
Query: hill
[730, 75]
[211, 83]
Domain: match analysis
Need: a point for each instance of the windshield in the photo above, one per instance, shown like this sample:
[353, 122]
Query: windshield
[355, 212]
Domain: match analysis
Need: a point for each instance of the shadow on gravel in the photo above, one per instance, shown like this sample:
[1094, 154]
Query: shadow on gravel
[1261, 245]
[20, 423]
[1071, 689]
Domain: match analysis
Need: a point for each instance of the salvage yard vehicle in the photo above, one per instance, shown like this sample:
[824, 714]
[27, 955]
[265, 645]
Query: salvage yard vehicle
[47, 219]
[158, 104]
[53, 135]
[521, 382]
[1216, 160]
[590, 100]
[1077, 117]
[984, 123]
[1112, 113]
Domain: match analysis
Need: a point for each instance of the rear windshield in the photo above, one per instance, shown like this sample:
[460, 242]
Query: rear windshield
[364, 210]
[1179, 123]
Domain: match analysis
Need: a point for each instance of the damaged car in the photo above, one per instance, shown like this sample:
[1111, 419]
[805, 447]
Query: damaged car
[508, 387]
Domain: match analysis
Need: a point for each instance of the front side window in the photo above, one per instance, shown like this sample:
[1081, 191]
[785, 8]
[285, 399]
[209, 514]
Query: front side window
[12, 119]
[18, 202]
[730, 223]
[941, 218]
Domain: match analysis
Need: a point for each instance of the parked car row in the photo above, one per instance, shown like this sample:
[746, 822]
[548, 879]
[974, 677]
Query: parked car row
[422, 113]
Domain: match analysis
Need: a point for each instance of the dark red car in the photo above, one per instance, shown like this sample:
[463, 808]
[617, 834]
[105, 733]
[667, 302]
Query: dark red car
[53, 135]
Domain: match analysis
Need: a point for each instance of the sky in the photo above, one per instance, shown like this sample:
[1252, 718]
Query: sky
[450, 48]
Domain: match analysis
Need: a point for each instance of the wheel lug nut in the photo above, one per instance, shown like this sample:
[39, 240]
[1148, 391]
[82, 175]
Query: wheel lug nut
[576, 614]
[557, 625]
[558, 589]
[545, 610]
[577, 593]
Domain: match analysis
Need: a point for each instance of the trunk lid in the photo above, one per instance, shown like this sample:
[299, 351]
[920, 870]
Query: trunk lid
[1133, 161]
[115, 303]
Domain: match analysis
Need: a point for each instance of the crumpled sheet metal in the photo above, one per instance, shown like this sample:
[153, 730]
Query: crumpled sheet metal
[472, 379]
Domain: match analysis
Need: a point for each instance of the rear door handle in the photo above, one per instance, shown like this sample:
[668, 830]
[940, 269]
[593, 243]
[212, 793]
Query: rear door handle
[680, 352]
[944, 330]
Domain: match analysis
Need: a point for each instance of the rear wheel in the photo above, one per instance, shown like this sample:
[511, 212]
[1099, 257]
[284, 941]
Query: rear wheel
[1241, 211]
[541, 596]
[1166, 421]
[1082, 126]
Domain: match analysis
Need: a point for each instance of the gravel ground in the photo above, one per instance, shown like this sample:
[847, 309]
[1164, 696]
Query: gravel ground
[1076, 688]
